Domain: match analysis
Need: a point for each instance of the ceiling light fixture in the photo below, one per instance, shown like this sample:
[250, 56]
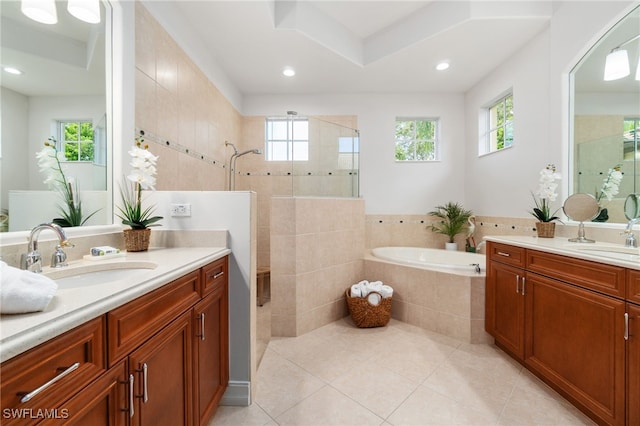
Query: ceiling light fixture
[442, 66]
[43, 11]
[616, 65]
[12, 70]
[85, 10]
[289, 72]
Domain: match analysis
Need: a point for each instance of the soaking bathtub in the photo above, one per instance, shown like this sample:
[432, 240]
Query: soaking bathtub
[428, 257]
[438, 290]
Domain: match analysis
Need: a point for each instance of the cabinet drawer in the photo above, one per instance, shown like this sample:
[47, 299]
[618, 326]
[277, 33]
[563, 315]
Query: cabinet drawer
[633, 286]
[504, 253]
[214, 275]
[130, 325]
[603, 278]
[31, 370]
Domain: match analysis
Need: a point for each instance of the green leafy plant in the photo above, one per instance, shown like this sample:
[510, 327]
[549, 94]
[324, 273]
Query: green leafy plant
[49, 162]
[142, 177]
[453, 219]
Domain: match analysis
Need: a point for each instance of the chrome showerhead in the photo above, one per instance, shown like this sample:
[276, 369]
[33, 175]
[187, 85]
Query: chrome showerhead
[249, 151]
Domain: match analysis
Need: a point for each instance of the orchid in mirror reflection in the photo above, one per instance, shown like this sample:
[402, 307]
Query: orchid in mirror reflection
[546, 194]
[610, 188]
[142, 176]
[49, 161]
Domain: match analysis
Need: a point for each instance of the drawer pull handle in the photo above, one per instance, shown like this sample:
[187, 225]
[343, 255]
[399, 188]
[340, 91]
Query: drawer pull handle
[201, 318]
[626, 326]
[35, 392]
[145, 393]
[131, 391]
[218, 275]
[501, 253]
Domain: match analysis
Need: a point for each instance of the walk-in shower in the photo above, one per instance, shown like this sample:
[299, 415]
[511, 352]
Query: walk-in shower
[232, 162]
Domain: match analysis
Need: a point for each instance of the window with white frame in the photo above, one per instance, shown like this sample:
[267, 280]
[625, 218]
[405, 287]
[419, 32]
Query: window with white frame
[76, 139]
[631, 138]
[498, 125]
[287, 139]
[417, 139]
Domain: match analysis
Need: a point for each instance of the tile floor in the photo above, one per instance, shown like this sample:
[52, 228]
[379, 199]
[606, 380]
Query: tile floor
[395, 375]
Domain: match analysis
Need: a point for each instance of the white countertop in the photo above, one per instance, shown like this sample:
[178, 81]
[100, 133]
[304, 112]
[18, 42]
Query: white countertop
[608, 253]
[74, 306]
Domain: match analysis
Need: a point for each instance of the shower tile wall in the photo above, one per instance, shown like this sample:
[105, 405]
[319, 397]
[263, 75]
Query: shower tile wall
[316, 253]
[176, 103]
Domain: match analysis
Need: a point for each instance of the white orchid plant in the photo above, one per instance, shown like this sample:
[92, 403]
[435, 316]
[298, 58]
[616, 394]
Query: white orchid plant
[142, 176]
[49, 161]
[610, 184]
[546, 194]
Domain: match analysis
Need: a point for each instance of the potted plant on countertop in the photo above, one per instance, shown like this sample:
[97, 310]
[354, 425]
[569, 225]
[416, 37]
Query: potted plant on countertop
[453, 221]
[131, 212]
[545, 227]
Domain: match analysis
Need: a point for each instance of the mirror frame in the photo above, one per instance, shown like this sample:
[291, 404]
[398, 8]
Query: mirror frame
[120, 41]
[572, 69]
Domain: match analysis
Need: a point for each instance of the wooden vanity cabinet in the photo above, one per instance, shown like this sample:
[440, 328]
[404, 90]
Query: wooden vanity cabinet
[564, 319]
[144, 363]
[633, 365]
[23, 374]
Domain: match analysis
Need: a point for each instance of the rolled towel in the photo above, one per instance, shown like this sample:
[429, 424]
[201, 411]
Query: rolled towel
[358, 290]
[23, 291]
[386, 291]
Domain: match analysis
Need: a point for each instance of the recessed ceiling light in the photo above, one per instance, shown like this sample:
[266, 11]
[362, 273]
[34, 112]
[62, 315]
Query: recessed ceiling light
[442, 66]
[289, 72]
[12, 70]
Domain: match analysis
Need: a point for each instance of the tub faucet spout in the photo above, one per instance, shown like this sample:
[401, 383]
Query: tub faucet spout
[32, 260]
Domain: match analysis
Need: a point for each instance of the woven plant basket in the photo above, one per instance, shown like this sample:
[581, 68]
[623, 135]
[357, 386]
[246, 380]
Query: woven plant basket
[366, 315]
[137, 239]
[546, 229]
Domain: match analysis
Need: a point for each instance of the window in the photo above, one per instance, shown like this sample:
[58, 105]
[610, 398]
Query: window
[76, 140]
[417, 139]
[499, 125]
[348, 152]
[287, 139]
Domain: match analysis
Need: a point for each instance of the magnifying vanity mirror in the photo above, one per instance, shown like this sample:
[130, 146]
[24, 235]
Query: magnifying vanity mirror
[632, 206]
[60, 93]
[581, 208]
[605, 131]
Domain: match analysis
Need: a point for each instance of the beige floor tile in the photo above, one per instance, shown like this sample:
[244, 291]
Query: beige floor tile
[328, 407]
[395, 375]
[375, 388]
[282, 384]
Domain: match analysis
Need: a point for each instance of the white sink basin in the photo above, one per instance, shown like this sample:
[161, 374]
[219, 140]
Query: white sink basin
[86, 275]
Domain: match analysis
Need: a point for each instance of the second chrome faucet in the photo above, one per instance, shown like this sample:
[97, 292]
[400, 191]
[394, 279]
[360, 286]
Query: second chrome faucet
[32, 260]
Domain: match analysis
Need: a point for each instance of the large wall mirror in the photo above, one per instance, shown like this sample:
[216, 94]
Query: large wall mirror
[606, 118]
[61, 93]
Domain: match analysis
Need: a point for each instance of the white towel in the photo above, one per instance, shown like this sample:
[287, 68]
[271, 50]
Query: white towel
[24, 291]
[357, 289]
[363, 288]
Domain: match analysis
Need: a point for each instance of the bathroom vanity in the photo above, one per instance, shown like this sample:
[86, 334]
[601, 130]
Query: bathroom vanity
[154, 352]
[571, 315]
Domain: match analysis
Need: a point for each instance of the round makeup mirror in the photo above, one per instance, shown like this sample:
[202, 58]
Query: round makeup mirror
[581, 207]
[632, 206]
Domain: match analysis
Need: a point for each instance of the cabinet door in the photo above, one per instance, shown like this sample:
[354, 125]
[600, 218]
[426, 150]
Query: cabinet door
[211, 352]
[162, 371]
[575, 340]
[633, 365]
[504, 308]
[103, 402]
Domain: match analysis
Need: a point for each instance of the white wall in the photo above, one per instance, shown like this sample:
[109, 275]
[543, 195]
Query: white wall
[15, 118]
[390, 187]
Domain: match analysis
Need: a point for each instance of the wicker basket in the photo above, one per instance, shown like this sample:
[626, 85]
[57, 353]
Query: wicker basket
[546, 229]
[366, 315]
[137, 239]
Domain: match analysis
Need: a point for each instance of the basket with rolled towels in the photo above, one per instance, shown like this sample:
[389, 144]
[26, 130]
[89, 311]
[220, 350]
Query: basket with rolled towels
[369, 303]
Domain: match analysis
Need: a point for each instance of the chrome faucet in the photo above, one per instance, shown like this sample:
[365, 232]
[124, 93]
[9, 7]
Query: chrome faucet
[32, 260]
[630, 240]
